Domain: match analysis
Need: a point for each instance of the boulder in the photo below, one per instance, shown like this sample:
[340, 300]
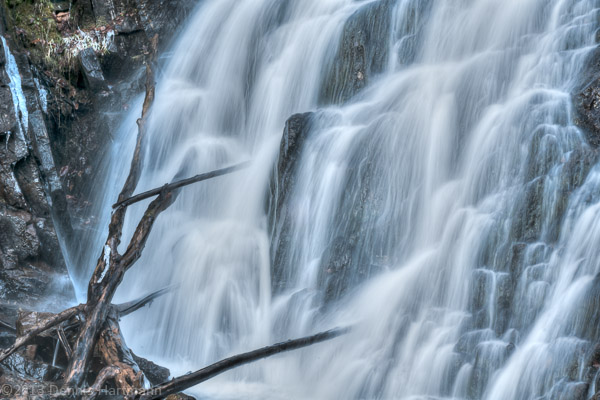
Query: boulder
[27, 368]
[154, 372]
[91, 69]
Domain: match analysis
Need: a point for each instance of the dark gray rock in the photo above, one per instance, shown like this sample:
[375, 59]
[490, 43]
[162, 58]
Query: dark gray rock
[8, 121]
[363, 52]
[587, 109]
[154, 372]
[18, 238]
[104, 11]
[32, 267]
[586, 99]
[352, 254]
[163, 17]
[128, 25]
[91, 69]
[297, 128]
[489, 356]
[27, 368]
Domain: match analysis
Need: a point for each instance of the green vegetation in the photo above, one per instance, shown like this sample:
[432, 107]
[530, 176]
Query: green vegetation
[54, 41]
[35, 24]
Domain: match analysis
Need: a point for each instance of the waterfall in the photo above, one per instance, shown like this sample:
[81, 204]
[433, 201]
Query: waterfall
[439, 199]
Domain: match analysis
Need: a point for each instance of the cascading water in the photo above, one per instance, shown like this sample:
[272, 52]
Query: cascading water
[450, 212]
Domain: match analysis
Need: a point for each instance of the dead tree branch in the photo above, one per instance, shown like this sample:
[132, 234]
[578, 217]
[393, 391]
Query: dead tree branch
[131, 306]
[109, 270]
[41, 327]
[178, 184]
[189, 380]
[62, 337]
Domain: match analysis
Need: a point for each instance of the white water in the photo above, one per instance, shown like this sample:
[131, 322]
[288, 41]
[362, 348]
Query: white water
[16, 90]
[472, 271]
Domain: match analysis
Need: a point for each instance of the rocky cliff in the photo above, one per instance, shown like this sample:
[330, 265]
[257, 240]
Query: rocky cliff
[68, 70]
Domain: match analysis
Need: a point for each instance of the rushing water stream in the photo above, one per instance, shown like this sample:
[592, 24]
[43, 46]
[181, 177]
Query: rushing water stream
[449, 211]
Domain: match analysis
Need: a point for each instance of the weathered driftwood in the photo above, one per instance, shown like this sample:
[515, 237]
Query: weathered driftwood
[41, 327]
[180, 183]
[114, 352]
[194, 378]
[131, 306]
[62, 337]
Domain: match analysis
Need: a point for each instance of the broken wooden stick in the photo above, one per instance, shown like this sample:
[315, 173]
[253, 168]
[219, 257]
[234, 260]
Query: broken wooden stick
[131, 306]
[41, 327]
[62, 338]
[181, 183]
[206, 373]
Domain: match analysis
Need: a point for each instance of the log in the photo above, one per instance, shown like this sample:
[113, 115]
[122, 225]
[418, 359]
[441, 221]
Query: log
[179, 184]
[39, 328]
[114, 352]
[186, 381]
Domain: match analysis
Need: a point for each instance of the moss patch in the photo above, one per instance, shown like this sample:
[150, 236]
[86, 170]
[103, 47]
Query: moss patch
[36, 26]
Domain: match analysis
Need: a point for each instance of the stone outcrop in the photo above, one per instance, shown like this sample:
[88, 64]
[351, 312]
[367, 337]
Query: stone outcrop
[297, 128]
[55, 123]
[362, 53]
[342, 265]
[586, 100]
[32, 268]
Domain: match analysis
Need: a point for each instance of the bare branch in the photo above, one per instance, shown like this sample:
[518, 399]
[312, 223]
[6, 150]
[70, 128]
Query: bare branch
[109, 270]
[41, 327]
[131, 306]
[63, 340]
[178, 184]
[8, 326]
[189, 380]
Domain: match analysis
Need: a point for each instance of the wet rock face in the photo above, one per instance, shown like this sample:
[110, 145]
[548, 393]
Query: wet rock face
[24, 367]
[31, 262]
[587, 104]
[350, 255]
[363, 52]
[163, 17]
[91, 69]
[586, 100]
[283, 182]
